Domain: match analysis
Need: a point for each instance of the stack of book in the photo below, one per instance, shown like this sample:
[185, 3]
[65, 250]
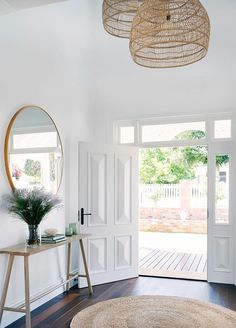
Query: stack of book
[53, 239]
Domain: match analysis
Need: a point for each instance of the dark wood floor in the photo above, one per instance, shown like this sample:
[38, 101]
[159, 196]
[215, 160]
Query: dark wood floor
[59, 311]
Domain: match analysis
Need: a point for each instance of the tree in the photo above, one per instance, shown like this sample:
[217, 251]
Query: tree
[198, 155]
[165, 165]
[170, 165]
[190, 135]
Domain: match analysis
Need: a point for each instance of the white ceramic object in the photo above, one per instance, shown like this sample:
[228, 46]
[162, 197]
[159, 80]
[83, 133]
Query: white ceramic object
[51, 232]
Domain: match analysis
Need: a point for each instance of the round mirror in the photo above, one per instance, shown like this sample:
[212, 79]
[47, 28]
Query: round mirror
[33, 151]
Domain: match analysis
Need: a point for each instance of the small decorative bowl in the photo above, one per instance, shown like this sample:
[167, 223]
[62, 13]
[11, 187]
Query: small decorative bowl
[51, 232]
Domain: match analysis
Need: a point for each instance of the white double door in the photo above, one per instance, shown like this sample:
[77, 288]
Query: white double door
[108, 189]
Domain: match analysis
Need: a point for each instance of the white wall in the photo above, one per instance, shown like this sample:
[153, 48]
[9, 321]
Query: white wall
[45, 60]
[59, 57]
[126, 90]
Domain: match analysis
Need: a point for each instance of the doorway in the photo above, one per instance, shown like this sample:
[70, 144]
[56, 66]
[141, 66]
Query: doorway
[216, 200]
[173, 212]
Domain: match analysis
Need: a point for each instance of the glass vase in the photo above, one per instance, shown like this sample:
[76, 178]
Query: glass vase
[34, 236]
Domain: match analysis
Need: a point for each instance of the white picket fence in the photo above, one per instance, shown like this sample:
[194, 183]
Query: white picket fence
[162, 190]
[151, 195]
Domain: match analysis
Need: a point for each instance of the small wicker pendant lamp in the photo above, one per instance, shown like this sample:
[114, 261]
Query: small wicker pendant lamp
[169, 33]
[118, 16]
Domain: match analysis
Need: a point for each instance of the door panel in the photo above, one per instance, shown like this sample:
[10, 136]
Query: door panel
[123, 252]
[97, 192]
[97, 255]
[222, 253]
[221, 206]
[123, 175]
[108, 189]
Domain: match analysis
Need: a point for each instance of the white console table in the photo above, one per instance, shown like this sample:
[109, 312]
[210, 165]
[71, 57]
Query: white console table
[26, 252]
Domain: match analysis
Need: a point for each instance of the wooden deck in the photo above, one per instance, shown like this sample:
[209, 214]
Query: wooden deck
[172, 264]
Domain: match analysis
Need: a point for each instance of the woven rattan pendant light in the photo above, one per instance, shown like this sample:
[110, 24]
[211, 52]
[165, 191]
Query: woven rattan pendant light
[169, 33]
[118, 16]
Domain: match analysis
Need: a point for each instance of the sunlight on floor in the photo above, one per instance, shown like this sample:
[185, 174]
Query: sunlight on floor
[175, 255]
[183, 242]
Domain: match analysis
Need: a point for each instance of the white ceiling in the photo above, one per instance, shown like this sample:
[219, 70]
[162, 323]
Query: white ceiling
[122, 89]
[125, 89]
[9, 6]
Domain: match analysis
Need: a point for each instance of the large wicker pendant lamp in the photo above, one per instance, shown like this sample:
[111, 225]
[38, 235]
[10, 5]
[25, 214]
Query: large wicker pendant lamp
[169, 33]
[118, 16]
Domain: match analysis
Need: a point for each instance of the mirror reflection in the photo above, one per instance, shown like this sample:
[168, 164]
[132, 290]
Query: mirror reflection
[34, 151]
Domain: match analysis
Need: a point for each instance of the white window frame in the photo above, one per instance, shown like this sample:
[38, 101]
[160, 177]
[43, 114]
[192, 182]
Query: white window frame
[31, 130]
[209, 129]
[122, 124]
[223, 119]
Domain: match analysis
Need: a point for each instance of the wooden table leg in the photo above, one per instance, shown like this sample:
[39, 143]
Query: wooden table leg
[68, 266]
[27, 291]
[86, 267]
[6, 284]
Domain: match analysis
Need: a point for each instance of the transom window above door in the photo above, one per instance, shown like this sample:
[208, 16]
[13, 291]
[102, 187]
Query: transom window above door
[126, 134]
[222, 129]
[174, 130]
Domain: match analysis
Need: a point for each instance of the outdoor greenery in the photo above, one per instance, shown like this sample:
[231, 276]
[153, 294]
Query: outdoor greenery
[166, 165]
[170, 165]
[31, 205]
[156, 196]
[32, 168]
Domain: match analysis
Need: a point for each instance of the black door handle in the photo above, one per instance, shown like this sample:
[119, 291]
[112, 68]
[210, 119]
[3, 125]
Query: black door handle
[82, 215]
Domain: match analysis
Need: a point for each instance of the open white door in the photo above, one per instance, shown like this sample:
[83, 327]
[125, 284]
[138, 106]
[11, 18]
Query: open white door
[108, 189]
[221, 209]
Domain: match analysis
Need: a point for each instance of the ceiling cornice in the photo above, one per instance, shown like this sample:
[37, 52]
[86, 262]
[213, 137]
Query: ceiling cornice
[9, 6]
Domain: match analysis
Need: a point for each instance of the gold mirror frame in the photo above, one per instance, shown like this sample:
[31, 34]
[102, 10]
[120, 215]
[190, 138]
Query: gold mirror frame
[6, 144]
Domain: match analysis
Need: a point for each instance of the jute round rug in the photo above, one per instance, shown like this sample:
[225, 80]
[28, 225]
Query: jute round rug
[154, 312]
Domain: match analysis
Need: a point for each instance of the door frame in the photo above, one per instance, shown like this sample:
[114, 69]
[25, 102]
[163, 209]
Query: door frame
[221, 237]
[210, 140]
